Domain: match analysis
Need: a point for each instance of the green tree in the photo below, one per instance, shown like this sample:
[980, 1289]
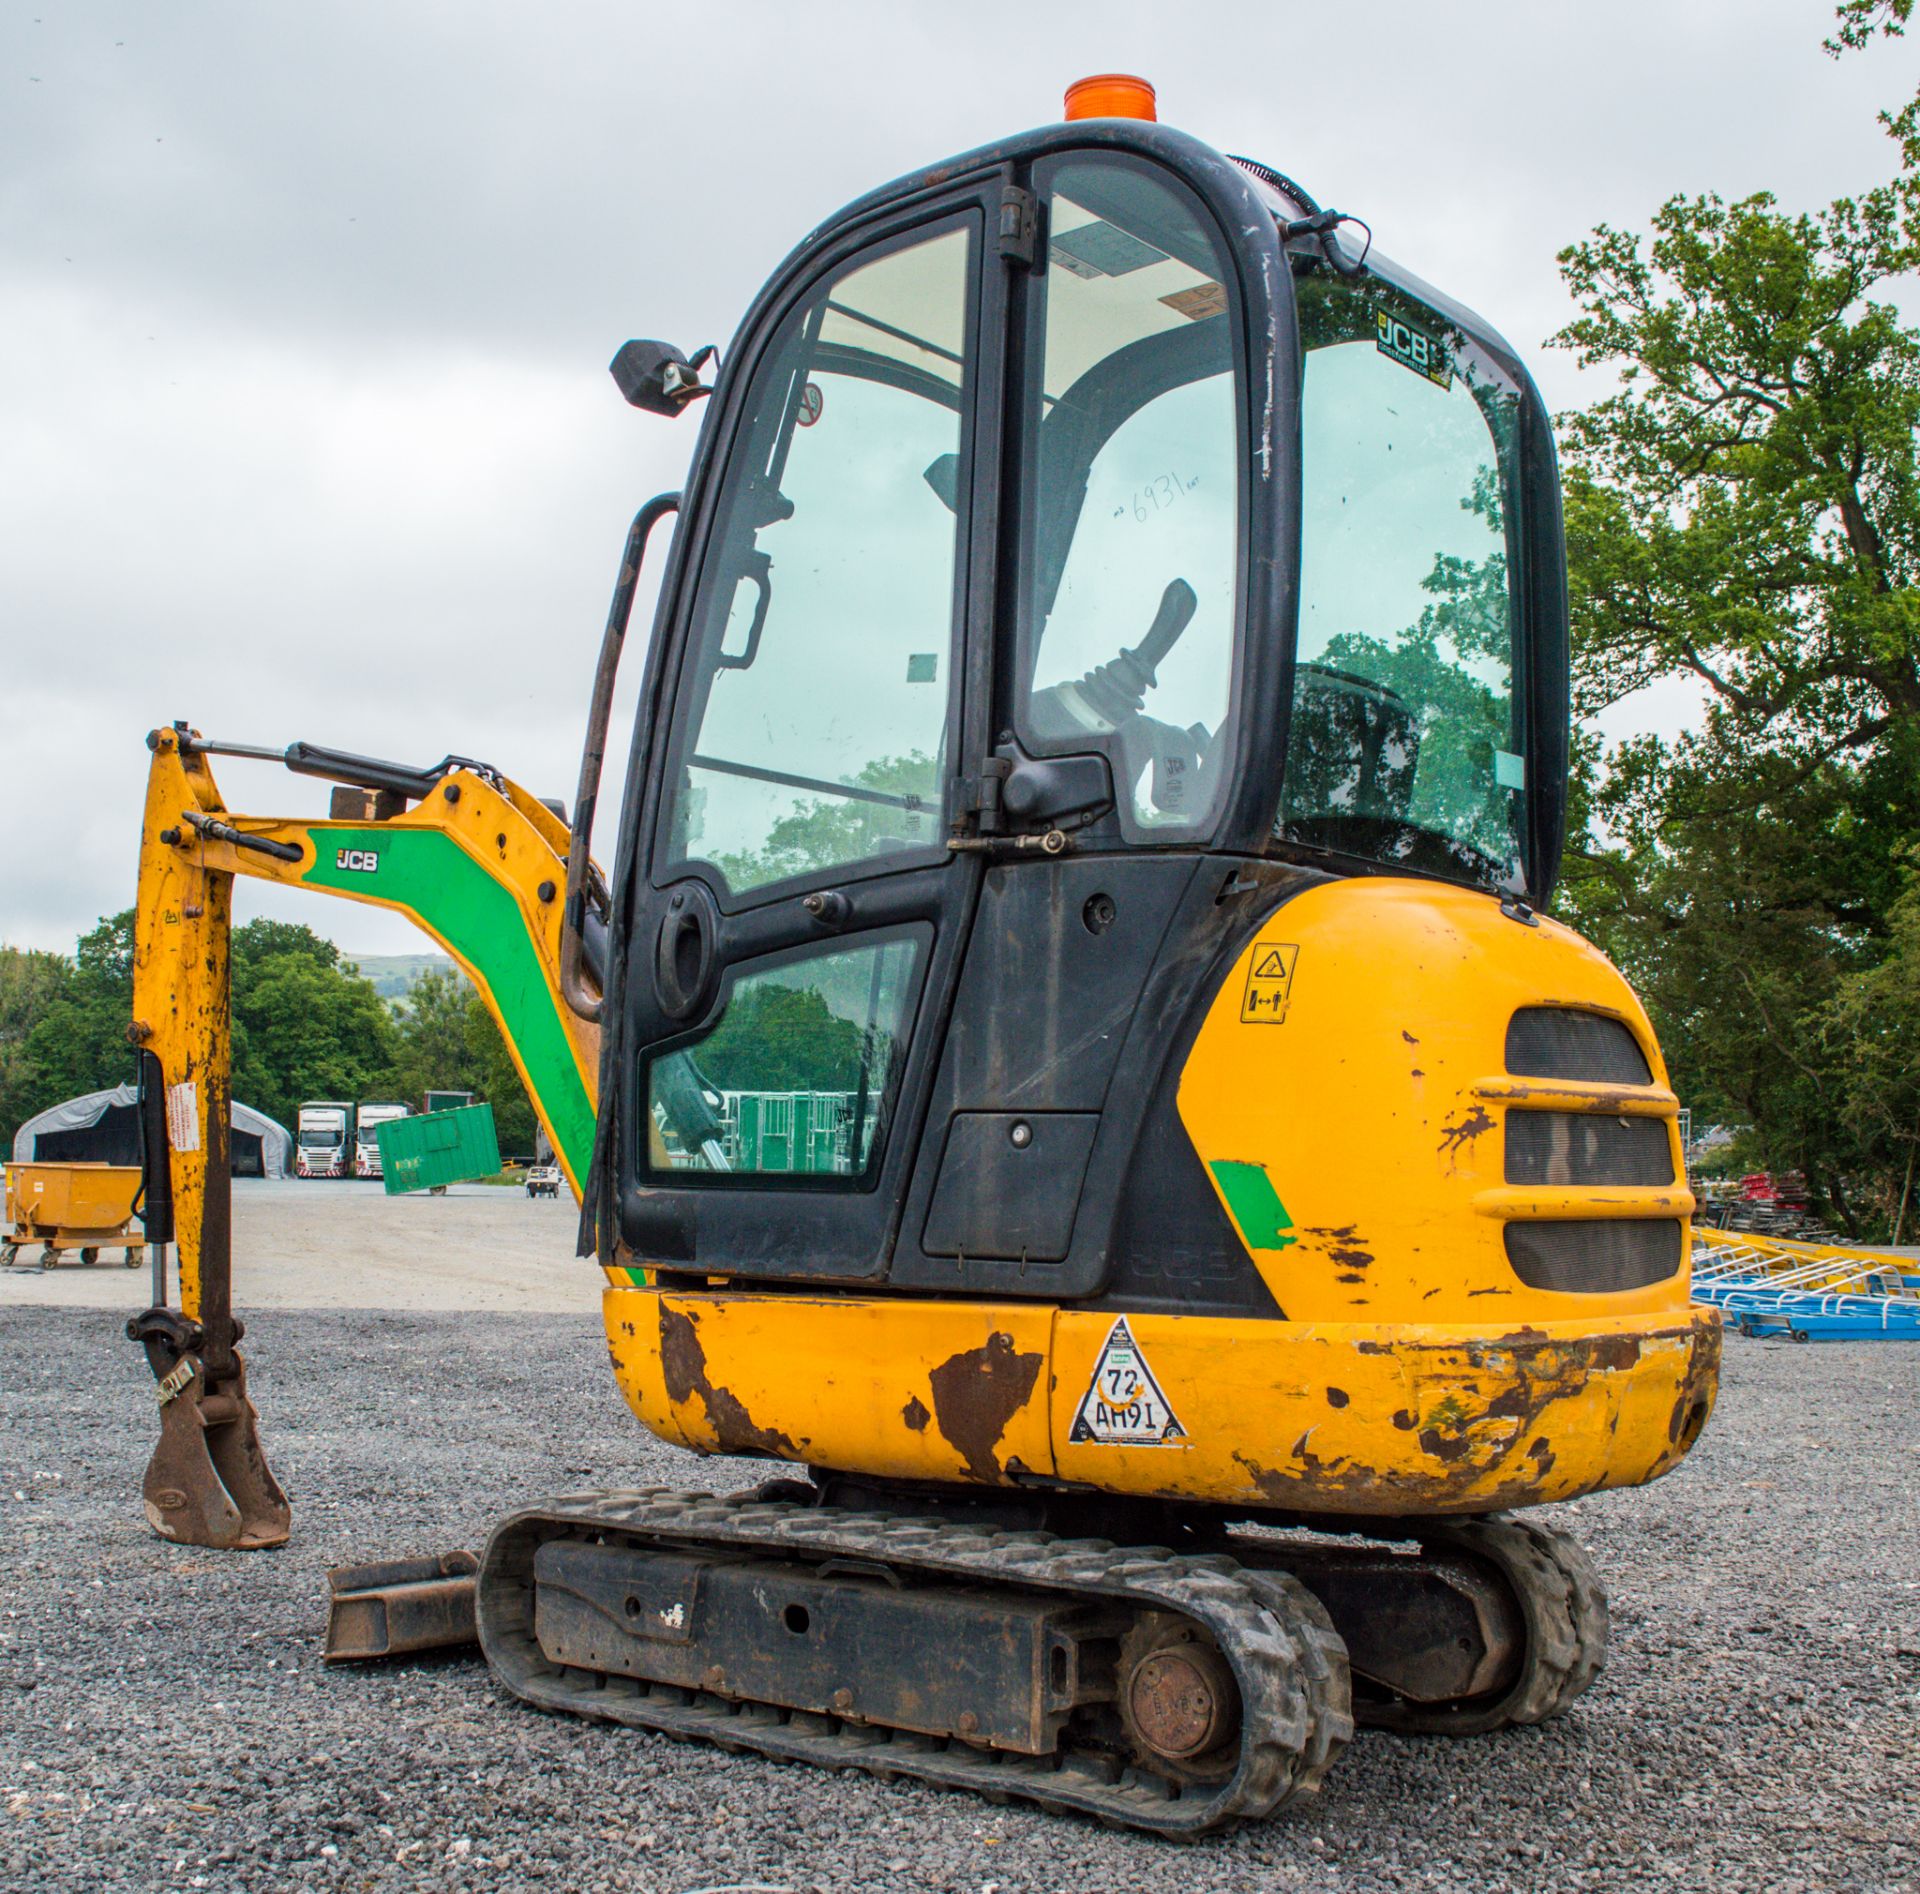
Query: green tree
[1439, 670]
[776, 1038]
[1744, 512]
[823, 833]
[30, 984]
[78, 1043]
[304, 1025]
[259, 941]
[497, 1080]
[446, 1040]
[431, 1040]
[1859, 23]
[1873, 1027]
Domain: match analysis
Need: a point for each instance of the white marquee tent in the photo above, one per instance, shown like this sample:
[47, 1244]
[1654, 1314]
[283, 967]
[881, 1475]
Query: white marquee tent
[104, 1127]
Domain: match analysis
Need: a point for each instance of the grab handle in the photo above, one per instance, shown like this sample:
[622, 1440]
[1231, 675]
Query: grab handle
[581, 994]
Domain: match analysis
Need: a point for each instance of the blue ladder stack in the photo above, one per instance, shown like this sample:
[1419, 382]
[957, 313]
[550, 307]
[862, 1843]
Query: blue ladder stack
[1809, 1292]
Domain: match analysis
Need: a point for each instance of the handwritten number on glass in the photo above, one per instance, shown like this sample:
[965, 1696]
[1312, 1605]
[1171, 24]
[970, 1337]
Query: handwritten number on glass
[1157, 495]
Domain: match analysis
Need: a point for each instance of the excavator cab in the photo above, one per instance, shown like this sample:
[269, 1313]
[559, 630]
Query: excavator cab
[1069, 1056]
[1058, 529]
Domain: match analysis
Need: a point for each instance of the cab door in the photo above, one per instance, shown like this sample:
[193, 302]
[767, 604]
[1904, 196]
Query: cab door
[1134, 701]
[796, 916]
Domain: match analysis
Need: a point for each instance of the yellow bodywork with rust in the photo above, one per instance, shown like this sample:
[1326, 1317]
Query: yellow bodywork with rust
[1354, 1056]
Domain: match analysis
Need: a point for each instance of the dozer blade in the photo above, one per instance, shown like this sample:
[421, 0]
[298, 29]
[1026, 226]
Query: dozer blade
[400, 1605]
[208, 1482]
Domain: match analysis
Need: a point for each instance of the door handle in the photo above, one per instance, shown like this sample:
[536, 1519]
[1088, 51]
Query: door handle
[687, 951]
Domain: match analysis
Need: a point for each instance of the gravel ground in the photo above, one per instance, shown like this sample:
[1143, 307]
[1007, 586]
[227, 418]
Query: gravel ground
[165, 1721]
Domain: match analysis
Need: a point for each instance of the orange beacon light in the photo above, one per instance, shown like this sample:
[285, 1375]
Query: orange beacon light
[1111, 95]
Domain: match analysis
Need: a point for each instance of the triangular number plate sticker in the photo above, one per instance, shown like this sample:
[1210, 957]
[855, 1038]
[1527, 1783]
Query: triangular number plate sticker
[1124, 1406]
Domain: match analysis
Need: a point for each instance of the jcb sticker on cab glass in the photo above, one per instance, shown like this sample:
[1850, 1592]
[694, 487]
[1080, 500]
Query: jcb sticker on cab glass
[1413, 348]
[1269, 983]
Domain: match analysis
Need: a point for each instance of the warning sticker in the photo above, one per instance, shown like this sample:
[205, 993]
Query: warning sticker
[1269, 983]
[1124, 1406]
[1199, 302]
[183, 1116]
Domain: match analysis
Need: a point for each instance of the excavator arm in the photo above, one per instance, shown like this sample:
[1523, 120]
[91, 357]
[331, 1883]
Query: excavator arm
[473, 860]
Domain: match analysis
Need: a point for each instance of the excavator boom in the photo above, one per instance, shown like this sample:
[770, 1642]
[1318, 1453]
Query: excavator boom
[478, 864]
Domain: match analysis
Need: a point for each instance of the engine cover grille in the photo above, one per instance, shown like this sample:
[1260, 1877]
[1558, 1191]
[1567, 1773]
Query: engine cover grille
[1570, 1147]
[1560, 1042]
[1595, 1255]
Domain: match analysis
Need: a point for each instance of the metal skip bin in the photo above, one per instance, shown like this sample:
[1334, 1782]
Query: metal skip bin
[437, 1149]
[64, 1207]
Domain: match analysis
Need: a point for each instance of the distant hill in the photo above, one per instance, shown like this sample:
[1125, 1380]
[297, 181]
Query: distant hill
[393, 975]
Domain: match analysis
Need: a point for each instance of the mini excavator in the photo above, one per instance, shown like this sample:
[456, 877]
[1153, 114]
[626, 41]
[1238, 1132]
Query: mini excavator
[1069, 1055]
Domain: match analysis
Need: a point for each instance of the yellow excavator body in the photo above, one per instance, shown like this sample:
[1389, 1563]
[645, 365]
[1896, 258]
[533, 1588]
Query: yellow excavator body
[1073, 1100]
[1356, 1126]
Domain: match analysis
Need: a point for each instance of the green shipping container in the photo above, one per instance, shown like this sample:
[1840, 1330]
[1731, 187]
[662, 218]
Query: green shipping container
[441, 1147]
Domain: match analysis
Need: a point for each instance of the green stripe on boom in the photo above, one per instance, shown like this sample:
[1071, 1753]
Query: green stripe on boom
[477, 917]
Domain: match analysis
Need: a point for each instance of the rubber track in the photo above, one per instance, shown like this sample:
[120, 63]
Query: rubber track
[1564, 1606]
[1288, 1661]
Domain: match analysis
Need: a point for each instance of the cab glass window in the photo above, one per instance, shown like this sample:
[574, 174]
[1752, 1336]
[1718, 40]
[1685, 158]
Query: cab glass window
[1405, 744]
[796, 1079]
[812, 727]
[1131, 581]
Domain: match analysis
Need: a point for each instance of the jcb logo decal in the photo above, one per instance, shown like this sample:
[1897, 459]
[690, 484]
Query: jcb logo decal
[363, 861]
[1412, 348]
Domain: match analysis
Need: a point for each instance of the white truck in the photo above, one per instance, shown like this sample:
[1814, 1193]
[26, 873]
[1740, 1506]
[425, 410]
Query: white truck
[323, 1139]
[372, 1117]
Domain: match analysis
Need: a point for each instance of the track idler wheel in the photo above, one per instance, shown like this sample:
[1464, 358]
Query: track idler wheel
[1178, 1699]
[1563, 1609]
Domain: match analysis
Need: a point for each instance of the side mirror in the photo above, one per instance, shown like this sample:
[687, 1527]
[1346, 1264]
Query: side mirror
[657, 377]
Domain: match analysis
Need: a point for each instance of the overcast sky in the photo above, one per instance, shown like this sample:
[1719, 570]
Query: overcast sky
[305, 424]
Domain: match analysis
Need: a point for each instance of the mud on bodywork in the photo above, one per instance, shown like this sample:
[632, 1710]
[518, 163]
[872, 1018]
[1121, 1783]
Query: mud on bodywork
[1694, 1403]
[1493, 1420]
[976, 1394]
[683, 1364]
[904, 1389]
